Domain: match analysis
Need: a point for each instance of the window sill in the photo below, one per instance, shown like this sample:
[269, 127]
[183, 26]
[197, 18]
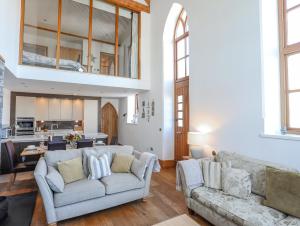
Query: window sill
[281, 137]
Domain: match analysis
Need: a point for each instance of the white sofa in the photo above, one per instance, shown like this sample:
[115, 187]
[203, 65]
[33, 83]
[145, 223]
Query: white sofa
[225, 210]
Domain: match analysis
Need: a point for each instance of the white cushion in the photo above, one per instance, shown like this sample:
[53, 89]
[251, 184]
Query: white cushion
[55, 180]
[138, 168]
[98, 167]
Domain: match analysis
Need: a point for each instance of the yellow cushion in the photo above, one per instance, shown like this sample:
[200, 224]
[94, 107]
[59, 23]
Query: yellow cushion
[71, 170]
[122, 163]
[282, 191]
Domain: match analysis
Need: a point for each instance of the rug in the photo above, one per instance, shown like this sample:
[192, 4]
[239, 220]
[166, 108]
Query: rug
[20, 210]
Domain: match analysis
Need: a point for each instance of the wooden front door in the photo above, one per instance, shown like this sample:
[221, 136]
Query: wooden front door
[109, 121]
[181, 118]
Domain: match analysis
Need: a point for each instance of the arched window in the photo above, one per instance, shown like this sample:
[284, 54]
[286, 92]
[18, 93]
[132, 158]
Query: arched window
[182, 50]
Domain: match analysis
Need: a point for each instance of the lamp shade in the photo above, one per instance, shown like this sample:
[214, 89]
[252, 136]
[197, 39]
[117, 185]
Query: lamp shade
[195, 138]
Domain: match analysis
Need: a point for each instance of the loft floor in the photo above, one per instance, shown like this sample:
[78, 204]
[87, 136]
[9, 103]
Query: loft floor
[163, 203]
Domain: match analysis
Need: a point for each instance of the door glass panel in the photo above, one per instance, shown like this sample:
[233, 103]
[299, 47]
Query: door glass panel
[74, 36]
[181, 48]
[187, 46]
[180, 115]
[180, 123]
[183, 15]
[294, 71]
[180, 107]
[181, 68]
[40, 33]
[180, 99]
[293, 18]
[292, 3]
[294, 110]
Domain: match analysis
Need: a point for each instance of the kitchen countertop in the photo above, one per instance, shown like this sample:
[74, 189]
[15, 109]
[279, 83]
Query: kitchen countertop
[43, 136]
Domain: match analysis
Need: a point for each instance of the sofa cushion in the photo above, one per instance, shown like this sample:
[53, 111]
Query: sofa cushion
[239, 211]
[110, 150]
[282, 191]
[120, 182]
[289, 221]
[256, 168]
[55, 180]
[122, 163]
[79, 191]
[53, 157]
[236, 182]
[71, 170]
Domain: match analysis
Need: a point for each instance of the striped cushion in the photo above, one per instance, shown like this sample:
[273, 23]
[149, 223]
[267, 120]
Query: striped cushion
[98, 167]
[212, 173]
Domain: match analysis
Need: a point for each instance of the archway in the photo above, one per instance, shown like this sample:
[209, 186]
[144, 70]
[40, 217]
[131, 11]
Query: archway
[109, 122]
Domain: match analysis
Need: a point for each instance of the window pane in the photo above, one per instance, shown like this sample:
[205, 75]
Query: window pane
[183, 15]
[103, 45]
[187, 46]
[294, 71]
[74, 36]
[181, 48]
[180, 107]
[292, 3]
[294, 110]
[179, 29]
[128, 44]
[180, 123]
[181, 68]
[40, 33]
[293, 18]
[187, 66]
[187, 28]
[180, 115]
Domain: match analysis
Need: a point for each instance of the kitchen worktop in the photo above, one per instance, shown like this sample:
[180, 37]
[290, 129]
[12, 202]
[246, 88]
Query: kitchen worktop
[43, 136]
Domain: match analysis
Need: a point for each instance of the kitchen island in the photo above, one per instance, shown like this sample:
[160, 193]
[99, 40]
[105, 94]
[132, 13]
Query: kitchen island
[21, 142]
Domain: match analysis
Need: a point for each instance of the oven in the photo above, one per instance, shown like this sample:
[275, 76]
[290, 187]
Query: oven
[24, 126]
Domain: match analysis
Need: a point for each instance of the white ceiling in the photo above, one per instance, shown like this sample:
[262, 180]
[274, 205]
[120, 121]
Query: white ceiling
[75, 18]
[34, 86]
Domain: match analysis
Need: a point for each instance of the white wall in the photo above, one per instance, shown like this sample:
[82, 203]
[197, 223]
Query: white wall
[225, 82]
[90, 112]
[113, 101]
[6, 107]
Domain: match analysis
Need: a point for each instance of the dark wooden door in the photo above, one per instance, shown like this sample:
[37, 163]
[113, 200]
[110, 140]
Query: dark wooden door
[109, 121]
[181, 118]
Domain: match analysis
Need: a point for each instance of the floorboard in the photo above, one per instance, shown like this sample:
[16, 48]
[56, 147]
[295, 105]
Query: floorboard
[163, 203]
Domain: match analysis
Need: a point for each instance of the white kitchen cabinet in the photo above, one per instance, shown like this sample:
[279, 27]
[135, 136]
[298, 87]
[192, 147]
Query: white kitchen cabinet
[90, 116]
[54, 109]
[25, 106]
[78, 109]
[66, 110]
[42, 109]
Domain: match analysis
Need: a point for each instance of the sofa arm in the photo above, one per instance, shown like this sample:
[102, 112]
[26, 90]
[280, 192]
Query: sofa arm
[148, 175]
[195, 180]
[40, 173]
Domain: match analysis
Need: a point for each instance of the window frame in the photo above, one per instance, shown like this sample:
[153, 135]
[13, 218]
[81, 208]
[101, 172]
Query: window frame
[184, 36]
[132, 7]
[286, 50]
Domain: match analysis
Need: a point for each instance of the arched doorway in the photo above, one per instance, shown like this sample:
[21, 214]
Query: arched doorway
[181, 86]
[109, 121]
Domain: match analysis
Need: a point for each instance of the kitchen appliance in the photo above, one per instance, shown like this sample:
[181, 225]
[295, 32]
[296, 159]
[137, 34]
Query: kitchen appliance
[6, 132]
[25, 126]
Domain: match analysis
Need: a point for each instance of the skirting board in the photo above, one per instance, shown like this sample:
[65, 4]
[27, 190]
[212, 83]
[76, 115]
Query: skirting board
[165, 164]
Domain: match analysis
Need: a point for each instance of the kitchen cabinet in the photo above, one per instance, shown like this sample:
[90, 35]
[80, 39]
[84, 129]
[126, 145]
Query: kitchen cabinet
[66, 108]
[25, 106]
[42, 109]
[77, 109]
[54, 109]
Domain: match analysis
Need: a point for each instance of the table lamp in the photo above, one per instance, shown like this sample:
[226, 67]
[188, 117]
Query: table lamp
[196, 143]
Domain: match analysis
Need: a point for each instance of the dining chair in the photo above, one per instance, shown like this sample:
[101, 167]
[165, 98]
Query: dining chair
[57, 145]
[56, 138]
[85, 143]
[14, 166]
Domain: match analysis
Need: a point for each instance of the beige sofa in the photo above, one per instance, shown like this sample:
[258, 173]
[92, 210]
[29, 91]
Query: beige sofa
[225, 210]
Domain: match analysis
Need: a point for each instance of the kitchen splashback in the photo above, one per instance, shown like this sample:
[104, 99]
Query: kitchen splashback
[54, 125]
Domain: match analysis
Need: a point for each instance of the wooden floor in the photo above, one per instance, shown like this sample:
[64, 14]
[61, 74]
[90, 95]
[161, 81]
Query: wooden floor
[163, 203]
